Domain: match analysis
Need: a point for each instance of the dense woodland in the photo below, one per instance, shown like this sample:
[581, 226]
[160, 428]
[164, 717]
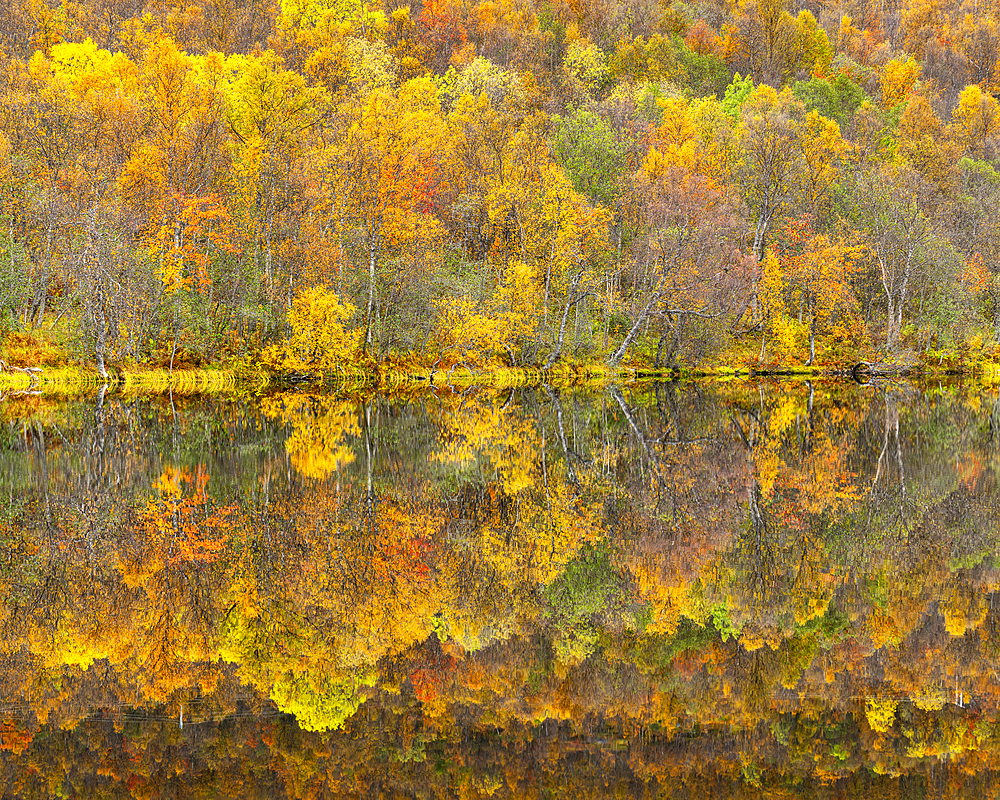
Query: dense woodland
[678, 593]
[508, 182]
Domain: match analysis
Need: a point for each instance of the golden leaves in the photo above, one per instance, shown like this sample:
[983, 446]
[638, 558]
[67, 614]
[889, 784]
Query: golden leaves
[320, 425]
[182, 245]
[508, 443]
[318, 339]
[509, 318]
[899, 76]
[880, 713]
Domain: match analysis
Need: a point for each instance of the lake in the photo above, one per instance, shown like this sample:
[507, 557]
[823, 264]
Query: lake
[694, 590]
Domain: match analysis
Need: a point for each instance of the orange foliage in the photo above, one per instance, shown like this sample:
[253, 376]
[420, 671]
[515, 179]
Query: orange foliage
[183, 519]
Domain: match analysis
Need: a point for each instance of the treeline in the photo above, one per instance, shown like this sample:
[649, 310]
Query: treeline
[508, 182]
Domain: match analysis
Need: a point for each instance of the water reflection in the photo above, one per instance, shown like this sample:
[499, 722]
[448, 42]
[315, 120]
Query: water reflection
[655, 591]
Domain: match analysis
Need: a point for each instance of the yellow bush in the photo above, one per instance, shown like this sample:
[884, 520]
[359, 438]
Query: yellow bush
[881, 712]
[318, 339]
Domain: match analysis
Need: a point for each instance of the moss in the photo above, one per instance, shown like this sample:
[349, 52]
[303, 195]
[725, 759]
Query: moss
[15, 381]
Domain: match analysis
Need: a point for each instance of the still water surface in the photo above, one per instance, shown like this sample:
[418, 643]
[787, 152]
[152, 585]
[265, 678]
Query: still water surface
[720, 590]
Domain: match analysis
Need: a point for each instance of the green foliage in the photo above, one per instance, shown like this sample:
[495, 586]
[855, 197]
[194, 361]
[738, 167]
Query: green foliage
[836, 98]
[737, 93]
[705, 74]
[658, 651]
[591, 153]
[576, 598]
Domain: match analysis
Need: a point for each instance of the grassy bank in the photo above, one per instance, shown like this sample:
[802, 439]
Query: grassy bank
[76, 380]
[395, 379]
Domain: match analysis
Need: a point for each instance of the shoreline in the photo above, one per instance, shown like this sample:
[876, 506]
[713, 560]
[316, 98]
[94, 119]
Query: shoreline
[388, 378]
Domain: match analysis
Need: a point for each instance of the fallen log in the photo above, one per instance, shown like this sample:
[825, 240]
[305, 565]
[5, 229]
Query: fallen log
[31, 372]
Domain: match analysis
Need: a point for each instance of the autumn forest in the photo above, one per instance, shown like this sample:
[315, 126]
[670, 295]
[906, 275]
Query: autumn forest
[504, 183]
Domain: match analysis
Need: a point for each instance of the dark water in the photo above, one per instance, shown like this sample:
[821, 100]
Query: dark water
[722, 590]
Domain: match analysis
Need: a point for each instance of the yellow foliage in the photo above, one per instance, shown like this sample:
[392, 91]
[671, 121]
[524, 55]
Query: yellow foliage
[183, 519]
[668, 602]
[771, 288]
[822, 147]
[817, 279]
[963, 610]
[508, 442]
[317, 444]
[142, 179]
[752, 638]
[899, 76]
[882, 628]
[181, 245]
[318, 339]
[976, 118]
[677, 127]
[880, 713]
[509, 318]
[931, 699]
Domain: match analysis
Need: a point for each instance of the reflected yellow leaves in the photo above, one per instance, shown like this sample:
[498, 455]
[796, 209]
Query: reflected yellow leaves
[320, 701]
[633, 560]
[880, 713]
[964, 609]
[816, 472]
[506, 440]
[355, 586]
[317, 444]
[766, 457]
[552, 520]
[882, 628]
